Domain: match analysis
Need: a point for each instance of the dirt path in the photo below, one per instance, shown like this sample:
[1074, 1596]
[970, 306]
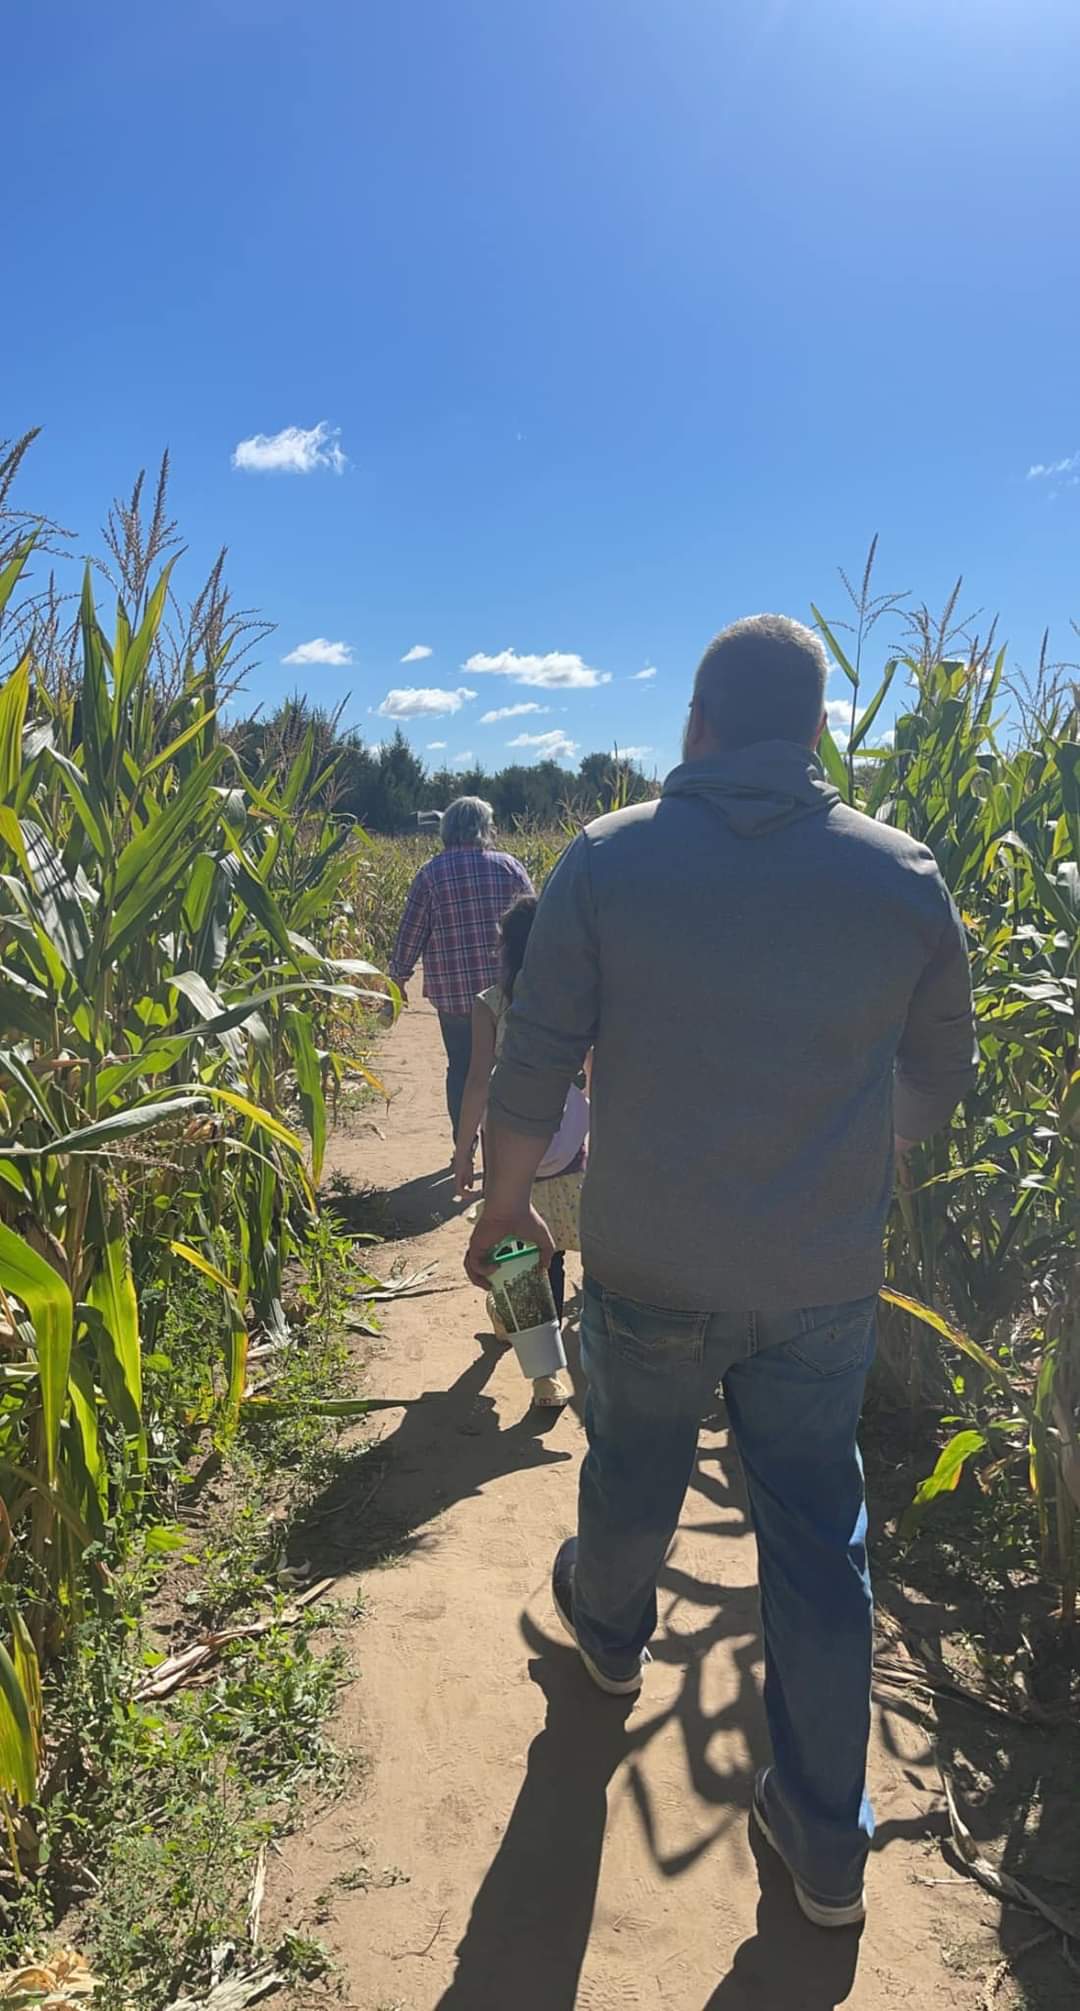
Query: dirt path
[513, 1841]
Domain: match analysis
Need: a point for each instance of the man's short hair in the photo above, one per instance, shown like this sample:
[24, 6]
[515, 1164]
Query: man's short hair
[763, 679]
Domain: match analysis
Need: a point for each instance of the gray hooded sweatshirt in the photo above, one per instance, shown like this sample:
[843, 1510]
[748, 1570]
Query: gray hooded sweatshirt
[771, 983]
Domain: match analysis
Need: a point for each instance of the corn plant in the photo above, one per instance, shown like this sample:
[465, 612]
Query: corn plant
[165, 985]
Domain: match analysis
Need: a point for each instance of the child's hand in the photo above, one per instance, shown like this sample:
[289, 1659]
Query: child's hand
[464, 1170]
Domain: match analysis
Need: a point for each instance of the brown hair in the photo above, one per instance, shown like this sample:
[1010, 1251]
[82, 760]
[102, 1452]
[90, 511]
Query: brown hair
[514, 929]
[763, 679]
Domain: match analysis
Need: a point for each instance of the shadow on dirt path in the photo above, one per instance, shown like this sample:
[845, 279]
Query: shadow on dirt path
[525, 1844]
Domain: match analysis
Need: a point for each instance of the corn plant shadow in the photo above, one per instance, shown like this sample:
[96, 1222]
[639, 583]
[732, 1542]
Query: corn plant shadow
[447, 1447]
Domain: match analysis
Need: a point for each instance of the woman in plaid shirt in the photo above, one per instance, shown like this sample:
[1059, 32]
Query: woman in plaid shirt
[451, 920]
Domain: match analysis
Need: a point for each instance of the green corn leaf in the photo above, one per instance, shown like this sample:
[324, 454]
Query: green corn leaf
[834, 646]
[1069, 1113]
[309, 1082]
[172, 750]
[262, 1119]
[13, 701]
[237, 1346]
[273, 1407]
[18, 1756]
[833, 763]
[874, 707]
[84, 1413]
[9, 574]
[110, 1130]
[945, 1478]
[112, 1295]
[48, 1301]
[137, 652]
[149, 859]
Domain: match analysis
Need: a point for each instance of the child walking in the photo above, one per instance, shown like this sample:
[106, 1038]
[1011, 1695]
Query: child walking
[565, 1156]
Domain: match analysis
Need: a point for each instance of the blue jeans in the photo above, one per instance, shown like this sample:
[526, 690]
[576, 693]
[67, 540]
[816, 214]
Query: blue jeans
[793, 1384]
[456, 1030]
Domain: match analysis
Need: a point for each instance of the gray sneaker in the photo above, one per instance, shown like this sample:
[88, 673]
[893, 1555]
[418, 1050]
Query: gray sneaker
[823, 1912]
[562, 1593]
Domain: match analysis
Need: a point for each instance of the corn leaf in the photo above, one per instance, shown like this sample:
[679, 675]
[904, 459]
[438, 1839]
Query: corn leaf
[48, 1301]
[308, 1081]
[112, 1294]
[941, 1326]
[18, 1755]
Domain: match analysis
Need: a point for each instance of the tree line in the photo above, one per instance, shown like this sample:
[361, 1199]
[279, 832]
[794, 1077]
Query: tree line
[385, 787]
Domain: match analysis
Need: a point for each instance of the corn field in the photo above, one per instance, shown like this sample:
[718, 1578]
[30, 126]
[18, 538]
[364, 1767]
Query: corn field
[188, 948]
[172, 991]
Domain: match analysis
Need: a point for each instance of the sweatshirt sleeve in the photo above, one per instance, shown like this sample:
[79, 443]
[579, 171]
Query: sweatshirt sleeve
[938, 1057]
[552, 1023]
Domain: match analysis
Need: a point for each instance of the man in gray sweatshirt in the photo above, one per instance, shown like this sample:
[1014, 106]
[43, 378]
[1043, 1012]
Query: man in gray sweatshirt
[773, 987]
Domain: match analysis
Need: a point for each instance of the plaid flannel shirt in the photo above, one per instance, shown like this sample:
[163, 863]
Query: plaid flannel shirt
[451, 920]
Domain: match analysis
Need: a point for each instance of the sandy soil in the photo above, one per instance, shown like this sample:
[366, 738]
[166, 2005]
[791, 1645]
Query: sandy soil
[511, 1840]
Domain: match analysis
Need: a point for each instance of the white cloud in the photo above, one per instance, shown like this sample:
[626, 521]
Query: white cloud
[634, 753]
[336, 654]
[436, 746]
[559, 670]
[554, 746]
[296, 450]
[463, 760]
[409, 702]
[511, 712]
[643, 676]
[838, 714]
[417, 653]
[1069, 466]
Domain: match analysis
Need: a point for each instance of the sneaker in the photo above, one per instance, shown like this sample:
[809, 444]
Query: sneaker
[823, 1912]
[562, 1593]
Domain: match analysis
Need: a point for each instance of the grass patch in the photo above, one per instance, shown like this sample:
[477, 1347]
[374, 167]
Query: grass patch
[153, 1813]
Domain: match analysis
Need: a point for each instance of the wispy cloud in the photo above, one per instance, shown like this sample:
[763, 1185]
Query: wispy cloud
[412, 702]
[436, 746]
[643, 676]
[336, 654]
[511, 712]
[296, 450]
[463, 760]
[634, 753]
[554, 746]
[417, 653]
[559, 670]
[1055, 470]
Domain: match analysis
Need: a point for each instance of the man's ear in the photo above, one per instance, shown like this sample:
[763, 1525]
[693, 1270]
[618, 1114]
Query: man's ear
[696, 729]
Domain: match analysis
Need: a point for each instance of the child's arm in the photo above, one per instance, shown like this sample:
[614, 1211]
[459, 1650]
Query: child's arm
[474, 1100]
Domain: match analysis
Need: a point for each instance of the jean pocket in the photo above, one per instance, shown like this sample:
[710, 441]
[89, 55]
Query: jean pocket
[836, 1339]
[653, 1336]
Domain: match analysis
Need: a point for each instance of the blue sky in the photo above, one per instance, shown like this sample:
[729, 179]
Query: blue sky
[627, 319]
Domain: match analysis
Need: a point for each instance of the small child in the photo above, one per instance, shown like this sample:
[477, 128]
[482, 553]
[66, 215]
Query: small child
[566, 1152]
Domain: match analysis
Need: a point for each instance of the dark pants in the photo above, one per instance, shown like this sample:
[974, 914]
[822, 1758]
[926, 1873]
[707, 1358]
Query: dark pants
[557, 1281]
[457, 1039]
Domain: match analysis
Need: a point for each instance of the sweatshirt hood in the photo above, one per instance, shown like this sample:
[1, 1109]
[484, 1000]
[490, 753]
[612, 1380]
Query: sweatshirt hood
[757, 789]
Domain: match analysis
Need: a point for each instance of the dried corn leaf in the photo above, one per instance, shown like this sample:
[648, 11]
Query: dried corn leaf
[61, 1982]
[235, 1993]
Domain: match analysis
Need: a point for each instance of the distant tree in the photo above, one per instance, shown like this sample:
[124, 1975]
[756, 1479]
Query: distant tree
[384, 787]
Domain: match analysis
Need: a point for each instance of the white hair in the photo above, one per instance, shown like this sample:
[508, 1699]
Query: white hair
[468, 821]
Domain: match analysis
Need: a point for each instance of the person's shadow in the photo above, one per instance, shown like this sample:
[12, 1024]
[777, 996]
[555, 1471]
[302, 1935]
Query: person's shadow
[530, 1923]
[786, 1965]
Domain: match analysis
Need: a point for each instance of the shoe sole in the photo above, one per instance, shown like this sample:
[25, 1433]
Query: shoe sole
[612, 1686]
[850, 1915]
